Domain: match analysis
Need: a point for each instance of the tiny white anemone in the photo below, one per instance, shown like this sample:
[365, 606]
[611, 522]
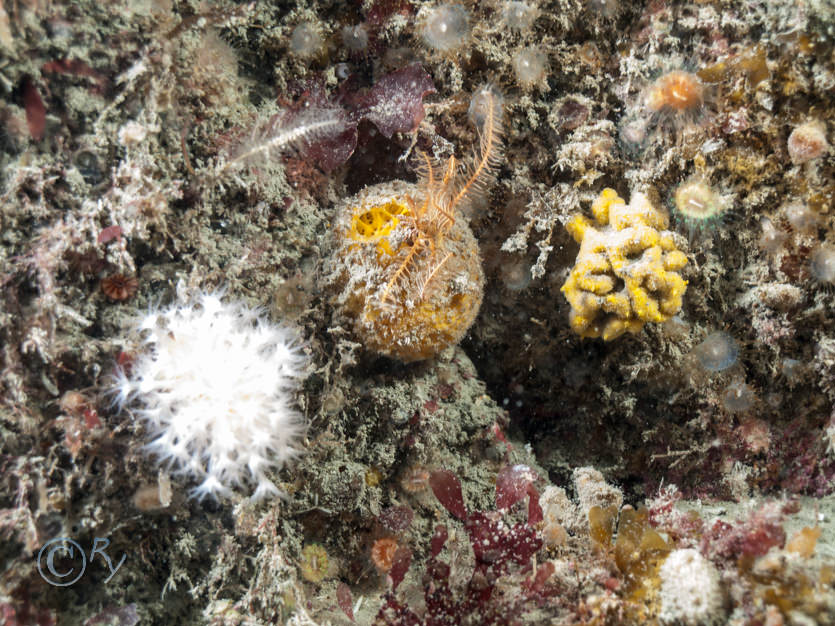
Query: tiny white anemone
[213, 384]
[121, 389]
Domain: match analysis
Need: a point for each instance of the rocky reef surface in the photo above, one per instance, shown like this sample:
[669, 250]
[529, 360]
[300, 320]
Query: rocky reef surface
[179, 169]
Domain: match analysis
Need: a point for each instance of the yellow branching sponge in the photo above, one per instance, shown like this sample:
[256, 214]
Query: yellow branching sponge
[406, 261]
[626, 272]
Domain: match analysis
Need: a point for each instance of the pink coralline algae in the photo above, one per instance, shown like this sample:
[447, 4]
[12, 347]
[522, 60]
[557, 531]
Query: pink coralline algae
[397, 518]
[747, 539]
[500, 549]
[323, 128]
[513, 483]
[447, 489]
[35, 109]
[395, 103]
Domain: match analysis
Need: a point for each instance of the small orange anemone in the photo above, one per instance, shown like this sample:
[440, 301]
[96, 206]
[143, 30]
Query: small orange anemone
[382, 553]
[678, 91]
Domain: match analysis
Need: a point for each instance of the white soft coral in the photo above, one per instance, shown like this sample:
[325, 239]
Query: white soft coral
[214, 385]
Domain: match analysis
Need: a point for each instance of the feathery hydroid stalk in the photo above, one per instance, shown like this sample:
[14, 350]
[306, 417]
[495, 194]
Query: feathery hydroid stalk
[444, 196]
[287, 131]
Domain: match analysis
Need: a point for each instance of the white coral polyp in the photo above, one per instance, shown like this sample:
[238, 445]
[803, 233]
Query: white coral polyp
[214, 386]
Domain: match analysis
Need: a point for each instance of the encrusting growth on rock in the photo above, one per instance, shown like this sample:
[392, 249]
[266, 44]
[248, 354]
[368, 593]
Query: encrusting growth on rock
[691, 592]
[410, 266]
[626, 273]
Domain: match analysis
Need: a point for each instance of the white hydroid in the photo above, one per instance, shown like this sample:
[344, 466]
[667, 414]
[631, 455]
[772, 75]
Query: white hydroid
[285, 131]
[214, 386]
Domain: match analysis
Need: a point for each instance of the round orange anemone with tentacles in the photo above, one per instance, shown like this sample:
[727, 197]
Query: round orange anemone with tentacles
[677, 91]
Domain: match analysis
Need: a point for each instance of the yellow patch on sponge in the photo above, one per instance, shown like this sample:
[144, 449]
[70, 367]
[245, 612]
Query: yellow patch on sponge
[373, 224]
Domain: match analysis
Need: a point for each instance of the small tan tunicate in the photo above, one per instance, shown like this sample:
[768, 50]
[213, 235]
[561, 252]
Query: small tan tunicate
[306, 41]
[807, 142]
[529, 66]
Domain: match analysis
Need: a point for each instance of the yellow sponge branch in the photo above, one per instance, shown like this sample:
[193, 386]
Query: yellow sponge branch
[626, 273]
